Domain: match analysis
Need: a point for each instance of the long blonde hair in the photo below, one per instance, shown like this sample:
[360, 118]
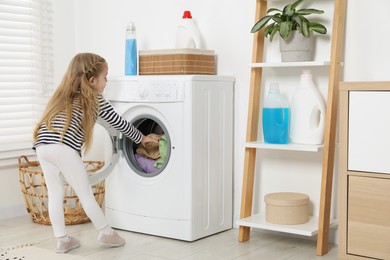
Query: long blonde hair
[75, 84]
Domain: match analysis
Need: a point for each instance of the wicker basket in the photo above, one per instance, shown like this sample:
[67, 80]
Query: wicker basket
[177, 62]
[34, 192]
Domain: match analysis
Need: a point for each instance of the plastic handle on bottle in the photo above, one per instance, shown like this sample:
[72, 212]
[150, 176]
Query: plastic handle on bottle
[195, 37]
[316, 125]
[320, 108]
[193, 33]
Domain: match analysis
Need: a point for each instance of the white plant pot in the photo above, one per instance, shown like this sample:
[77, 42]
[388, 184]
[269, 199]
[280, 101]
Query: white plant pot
[296, 47]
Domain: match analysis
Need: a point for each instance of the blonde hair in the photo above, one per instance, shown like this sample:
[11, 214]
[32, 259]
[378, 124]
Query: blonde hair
[75, 84]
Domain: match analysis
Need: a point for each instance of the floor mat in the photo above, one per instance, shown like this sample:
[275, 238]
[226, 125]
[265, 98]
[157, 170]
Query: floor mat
[30, 252]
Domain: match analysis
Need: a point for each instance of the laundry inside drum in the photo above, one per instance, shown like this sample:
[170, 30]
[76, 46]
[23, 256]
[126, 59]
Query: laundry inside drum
[148, 160]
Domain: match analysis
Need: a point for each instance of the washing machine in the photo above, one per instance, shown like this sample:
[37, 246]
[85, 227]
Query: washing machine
[189, 195]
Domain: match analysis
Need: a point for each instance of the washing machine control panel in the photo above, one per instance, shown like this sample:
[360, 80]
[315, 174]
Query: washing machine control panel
[145, 90]
[161, 91]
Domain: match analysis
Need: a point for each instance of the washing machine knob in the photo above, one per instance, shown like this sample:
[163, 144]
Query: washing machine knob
[143, 92]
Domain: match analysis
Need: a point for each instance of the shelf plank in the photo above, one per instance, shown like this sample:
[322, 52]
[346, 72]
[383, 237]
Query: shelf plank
[289, 147]
[289, 64]
[308, 229]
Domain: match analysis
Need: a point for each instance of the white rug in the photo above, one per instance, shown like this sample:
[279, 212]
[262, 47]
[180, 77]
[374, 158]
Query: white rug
[30, 252]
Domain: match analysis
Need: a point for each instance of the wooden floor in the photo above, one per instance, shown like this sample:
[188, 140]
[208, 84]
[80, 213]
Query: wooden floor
[34, 241]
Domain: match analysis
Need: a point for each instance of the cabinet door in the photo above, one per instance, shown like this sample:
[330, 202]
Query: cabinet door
[369, 131]
[368, 232]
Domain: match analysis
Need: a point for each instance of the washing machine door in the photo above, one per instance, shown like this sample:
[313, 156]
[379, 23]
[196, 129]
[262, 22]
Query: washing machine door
[113, 157]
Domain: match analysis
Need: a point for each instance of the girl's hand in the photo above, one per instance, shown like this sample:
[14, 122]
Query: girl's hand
[150, 139]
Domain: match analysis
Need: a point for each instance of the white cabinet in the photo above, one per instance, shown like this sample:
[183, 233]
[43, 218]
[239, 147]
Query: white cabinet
[364, 205]
[369, 131]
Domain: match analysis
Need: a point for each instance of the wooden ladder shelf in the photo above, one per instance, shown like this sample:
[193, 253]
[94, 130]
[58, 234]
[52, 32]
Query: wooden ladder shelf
[330, 125]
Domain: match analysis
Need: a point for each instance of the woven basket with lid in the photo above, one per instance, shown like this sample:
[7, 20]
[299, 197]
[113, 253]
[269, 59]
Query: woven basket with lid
[287, 208]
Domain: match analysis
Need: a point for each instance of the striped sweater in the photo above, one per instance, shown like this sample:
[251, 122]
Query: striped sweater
[74, 136]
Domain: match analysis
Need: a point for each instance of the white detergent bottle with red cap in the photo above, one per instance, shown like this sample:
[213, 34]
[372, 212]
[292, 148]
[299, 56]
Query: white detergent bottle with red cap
[187, 34]
[307, 112]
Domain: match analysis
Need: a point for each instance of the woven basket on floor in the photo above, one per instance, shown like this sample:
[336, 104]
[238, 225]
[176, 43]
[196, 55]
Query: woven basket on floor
[34, 192]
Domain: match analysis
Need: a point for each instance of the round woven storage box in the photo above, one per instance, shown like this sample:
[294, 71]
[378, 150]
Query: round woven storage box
[34, 192]
[287, 208]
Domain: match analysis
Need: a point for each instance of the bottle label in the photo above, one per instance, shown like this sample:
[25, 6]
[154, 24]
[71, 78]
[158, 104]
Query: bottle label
[131, 57]
[276, 125]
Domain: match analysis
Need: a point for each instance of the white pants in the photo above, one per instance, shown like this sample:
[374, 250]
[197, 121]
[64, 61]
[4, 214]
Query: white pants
[57, 159]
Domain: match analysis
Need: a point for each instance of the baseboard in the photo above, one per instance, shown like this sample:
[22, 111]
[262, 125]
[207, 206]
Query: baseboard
[14, 211]
[236, 217]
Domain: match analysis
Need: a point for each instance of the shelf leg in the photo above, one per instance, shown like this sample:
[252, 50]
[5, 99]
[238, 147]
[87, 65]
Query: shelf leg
[253, 123]
[330, 126]
[247, 192]
[244, 234]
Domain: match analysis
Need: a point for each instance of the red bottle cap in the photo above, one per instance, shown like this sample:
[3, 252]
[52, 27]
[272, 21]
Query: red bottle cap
[187, 14]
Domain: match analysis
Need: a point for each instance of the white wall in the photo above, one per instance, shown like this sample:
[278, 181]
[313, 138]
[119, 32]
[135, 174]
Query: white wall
[367, 51]
[99, 26]
[11, 200]
[64, 36]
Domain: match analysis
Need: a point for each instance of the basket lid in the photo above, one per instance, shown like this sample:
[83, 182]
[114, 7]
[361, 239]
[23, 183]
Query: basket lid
[286, 199]
[177, 51]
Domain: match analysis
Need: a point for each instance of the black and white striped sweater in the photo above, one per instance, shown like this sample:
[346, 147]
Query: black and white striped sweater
[74, 136]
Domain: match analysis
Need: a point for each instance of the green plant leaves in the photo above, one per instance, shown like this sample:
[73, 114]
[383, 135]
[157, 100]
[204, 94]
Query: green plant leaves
[305, 29]
[288, 11]
[297, 20]
[294, 5]
[268, 29]
[277, 18]
[261, 23]
[309, 11]
[318, 28]
[285, 29]
[289, 19]
[273, 10]
[271, 30]
[275, 29]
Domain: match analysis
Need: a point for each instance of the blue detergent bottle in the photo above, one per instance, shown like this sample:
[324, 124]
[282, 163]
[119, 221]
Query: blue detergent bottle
[131, 50]
[276, 117]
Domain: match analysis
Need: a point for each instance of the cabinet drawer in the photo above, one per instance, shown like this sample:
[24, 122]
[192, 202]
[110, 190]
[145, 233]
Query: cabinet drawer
[369, 131]
[368, 227]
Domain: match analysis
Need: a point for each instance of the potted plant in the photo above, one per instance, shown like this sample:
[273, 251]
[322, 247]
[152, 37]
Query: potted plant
[294, 29]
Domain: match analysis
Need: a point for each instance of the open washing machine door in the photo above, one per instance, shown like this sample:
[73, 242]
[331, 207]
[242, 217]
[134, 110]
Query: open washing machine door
[103, 173]
[137, 158]
[123, 146]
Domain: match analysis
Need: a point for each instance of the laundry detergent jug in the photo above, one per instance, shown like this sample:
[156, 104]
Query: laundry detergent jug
[276, 117]
[187, 34]
[307, 112]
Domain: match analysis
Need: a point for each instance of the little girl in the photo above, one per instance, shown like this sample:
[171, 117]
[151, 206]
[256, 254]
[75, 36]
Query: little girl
[64, 130]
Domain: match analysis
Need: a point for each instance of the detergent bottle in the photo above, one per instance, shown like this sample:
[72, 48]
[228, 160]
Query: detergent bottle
[131, 50]
[276, 117]
[187, 34]
[307, 112]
